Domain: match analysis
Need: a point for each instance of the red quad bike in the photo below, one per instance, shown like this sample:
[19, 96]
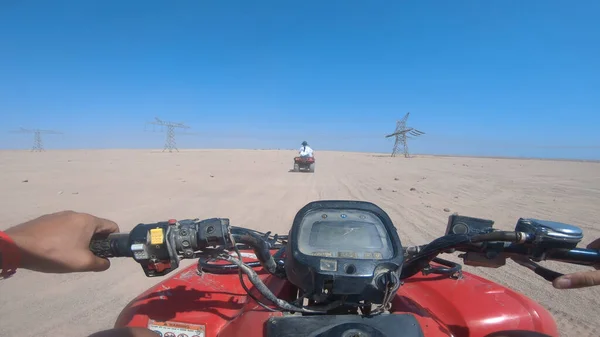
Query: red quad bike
[304, 164]
[341, 271]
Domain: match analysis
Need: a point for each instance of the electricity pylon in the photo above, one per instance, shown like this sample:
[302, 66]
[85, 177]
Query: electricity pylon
[38, 143]
[401, 136]
[170, 143]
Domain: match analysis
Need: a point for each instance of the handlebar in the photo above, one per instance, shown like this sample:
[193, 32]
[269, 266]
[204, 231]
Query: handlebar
[114, 245]
[581, 256]
[158, 247]
[493, 248]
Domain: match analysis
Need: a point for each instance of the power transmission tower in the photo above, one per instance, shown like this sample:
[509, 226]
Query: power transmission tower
[403, 133]
[38, 144]
[170, 143]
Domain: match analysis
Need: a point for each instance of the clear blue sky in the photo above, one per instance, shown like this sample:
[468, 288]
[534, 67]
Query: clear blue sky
[515, 78]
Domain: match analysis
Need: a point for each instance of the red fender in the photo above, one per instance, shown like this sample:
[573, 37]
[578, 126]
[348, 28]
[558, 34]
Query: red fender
[468, 307]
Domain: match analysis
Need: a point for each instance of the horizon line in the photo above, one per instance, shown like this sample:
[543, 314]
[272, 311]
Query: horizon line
[375, 153]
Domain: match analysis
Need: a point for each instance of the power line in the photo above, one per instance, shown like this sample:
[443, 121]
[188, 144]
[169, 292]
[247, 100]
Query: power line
[38, 143]
[170, 143]
[403, 133]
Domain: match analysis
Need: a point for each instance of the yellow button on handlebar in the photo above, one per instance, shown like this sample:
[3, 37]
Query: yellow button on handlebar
[156, 236]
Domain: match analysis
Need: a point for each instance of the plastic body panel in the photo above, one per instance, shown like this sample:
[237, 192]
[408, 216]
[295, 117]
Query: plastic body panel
[468, 307]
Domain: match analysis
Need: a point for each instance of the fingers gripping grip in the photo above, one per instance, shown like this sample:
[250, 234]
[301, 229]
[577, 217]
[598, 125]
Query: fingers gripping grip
[115, 245]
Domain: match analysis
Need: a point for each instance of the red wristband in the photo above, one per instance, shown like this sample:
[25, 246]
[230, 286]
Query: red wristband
[11, 256]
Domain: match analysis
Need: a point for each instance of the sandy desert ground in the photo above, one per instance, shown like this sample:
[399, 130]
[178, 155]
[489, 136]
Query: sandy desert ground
[255, 189]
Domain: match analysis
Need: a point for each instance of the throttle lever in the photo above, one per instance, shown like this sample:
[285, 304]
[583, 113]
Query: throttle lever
[547, 274]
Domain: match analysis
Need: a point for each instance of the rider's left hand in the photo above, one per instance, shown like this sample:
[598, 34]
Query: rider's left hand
[59, 242]
[580, 279]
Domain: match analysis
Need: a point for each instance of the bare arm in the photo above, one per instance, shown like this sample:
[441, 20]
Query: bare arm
[59, 242]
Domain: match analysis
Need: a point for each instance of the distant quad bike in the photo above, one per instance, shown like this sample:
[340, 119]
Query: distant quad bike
[304, 163]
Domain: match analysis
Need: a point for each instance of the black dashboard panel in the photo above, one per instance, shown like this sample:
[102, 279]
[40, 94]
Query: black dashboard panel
[339, 248]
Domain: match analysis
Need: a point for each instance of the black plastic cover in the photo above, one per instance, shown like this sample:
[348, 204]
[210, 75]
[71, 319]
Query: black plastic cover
[405, 325]
[212, 232]
[363, 281]
[460, 224]
[550, 233]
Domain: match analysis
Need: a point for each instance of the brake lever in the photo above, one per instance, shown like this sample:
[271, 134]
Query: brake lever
[268, 240]
[547, 274]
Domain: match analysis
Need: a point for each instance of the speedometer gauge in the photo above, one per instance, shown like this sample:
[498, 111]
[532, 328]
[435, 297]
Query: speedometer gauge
[354, 234]
[343, 248]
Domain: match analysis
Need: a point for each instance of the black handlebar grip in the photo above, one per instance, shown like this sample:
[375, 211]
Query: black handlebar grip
[114, 245]
[547, 274]
[589, 257]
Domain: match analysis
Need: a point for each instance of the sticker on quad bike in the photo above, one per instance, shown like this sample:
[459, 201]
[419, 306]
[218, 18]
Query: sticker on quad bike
[176, 329]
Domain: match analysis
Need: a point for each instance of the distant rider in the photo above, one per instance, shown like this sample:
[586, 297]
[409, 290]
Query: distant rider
[305, 150]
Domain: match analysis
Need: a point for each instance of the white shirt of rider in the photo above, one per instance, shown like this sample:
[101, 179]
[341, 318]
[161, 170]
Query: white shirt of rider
[306, 151]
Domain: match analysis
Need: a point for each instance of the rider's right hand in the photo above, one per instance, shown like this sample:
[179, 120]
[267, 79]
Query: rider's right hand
[580, 279]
